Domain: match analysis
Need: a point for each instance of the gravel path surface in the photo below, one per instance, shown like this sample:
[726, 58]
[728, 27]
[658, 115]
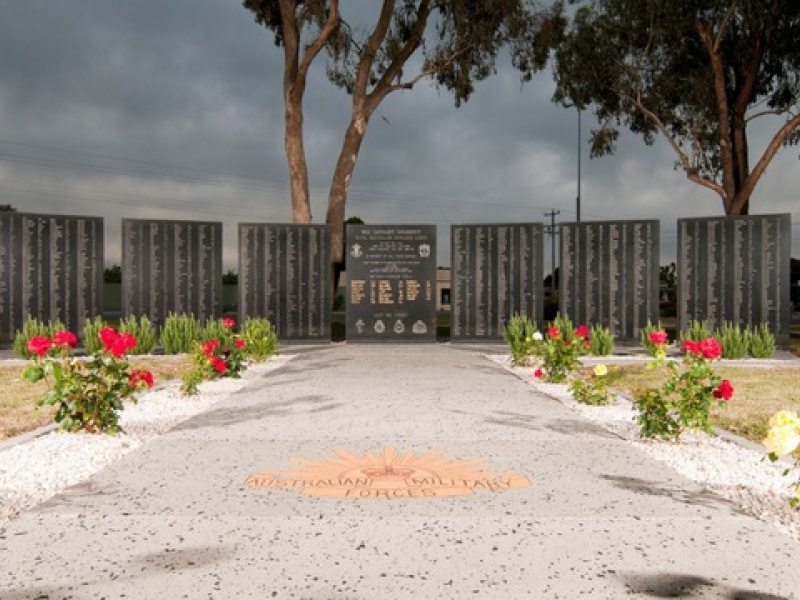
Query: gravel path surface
[735, 469]
[33, 471]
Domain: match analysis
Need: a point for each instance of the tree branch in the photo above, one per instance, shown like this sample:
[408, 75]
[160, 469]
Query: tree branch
[724, 25]
[749, 184]
[316, 46]
[691, 171]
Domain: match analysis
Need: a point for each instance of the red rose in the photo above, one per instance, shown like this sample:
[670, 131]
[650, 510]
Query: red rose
[118, 347]
[219, 365]
[141, 376]
[228, 323]
[710, 348]
[582, 331]
[65, 339]
[587, 342]
[659, 337]
[691, 347]
[210, 346]
[39, 345]
[538, 373]
[128, 340]
[108, 336]
[567, 342]
[239, 343]
[553, 333]
[724, 391]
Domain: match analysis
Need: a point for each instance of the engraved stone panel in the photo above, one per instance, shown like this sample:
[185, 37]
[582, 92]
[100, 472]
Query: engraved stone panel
[284, 276]
[391, 270]
[171, 266]
[51, 268]
[497, 271]
[736, 269]
[609, 275]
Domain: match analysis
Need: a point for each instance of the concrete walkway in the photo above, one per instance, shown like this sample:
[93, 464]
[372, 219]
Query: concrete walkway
[599, 520]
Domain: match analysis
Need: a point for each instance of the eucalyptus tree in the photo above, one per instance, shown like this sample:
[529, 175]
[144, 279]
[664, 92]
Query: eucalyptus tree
[698, 72]
[455, 43]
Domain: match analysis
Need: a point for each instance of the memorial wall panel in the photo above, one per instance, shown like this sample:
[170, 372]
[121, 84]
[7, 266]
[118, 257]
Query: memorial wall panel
[51, 268]
[285, 276]
[391, 272]
[497, 271]
[171, 266]
[736, 269]
[609, 275]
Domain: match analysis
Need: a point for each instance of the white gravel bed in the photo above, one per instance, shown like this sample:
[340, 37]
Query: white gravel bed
[36, 470]
[739, 472]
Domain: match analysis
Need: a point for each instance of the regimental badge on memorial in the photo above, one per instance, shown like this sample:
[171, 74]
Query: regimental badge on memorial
[424, 250]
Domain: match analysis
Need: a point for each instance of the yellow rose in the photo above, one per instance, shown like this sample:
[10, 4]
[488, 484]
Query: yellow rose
[784, 418]
[782, 440]
[601, 370]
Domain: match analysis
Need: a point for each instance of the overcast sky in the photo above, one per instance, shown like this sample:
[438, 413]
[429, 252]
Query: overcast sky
[172, 109]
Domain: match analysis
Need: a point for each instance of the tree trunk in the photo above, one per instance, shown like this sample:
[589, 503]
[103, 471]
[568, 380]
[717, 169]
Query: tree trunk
[337, 198]
[298, 168]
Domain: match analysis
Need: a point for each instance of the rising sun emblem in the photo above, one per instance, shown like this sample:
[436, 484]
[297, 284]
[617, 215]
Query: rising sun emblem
[389, 474]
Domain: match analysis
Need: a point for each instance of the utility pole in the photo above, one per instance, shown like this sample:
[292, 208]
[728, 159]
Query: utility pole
[552, 231]
[578, 199]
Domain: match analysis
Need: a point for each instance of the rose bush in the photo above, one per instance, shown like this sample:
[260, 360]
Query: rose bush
[684, 401]
[782, 439]
[593, 389]
[89, 392]
[223, 357]
[561, 353]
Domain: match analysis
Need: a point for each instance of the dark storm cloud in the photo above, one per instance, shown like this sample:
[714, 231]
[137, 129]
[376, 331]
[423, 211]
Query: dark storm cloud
[173, 109]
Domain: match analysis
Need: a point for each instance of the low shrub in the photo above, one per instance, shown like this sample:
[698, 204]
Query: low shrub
[562, 352]
[143, 330]
[761, 342]
[734, 340]
[91, 335]
[601, 341]
[32, 328]
[523, 340]
[697, 331]
[260, 338]
[180, 333]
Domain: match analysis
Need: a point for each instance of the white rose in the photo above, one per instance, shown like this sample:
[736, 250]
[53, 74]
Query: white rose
[782, 440]
[538, 336]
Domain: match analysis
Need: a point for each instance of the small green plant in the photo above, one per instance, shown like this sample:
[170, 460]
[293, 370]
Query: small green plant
[761, 342]
[143, 330]
[91, 337]
[89, 392]
[593, 389]
[697, 331]
[260, 338]
[561, 355]
[601, 341]
[564, 326]
[645, 335]
[32, 328]
[684, 401]
[215, 329]
[523, 340]
[734, 340]
[180, 333]
[216, 358]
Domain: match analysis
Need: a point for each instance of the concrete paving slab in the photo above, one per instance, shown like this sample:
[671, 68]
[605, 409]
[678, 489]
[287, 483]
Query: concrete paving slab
[599, 520]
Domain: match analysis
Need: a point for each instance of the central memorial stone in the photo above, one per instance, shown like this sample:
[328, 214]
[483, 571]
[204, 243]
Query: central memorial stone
[391, 270]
